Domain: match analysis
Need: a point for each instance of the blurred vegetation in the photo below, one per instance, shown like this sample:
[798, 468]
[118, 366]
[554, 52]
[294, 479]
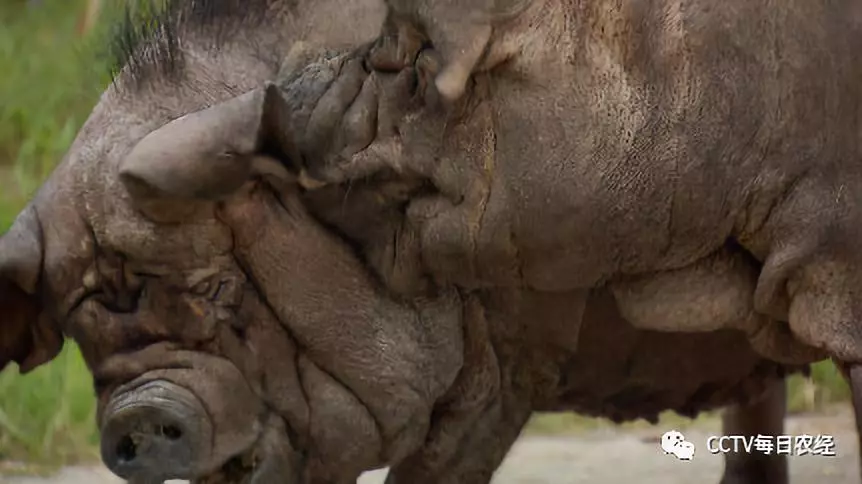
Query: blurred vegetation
[53, 73]
[52, 77]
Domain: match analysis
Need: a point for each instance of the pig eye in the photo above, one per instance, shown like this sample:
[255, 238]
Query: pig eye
[228, 293]
[220, 291]
[202, 288]
[225, 291]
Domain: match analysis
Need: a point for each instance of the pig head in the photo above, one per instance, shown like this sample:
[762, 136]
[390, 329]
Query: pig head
[231, 335]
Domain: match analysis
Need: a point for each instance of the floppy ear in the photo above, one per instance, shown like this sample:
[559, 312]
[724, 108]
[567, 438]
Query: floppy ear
[211, 153]
[27, 335]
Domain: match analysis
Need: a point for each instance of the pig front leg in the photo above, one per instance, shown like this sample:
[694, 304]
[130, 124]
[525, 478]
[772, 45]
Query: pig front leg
[475, 424]
[471, 460]
[764, 416]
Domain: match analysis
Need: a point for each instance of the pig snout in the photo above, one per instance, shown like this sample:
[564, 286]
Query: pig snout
[159, 430]
[180, 423]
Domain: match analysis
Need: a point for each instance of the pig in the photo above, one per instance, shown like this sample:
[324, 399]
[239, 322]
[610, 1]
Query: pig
[300, 240]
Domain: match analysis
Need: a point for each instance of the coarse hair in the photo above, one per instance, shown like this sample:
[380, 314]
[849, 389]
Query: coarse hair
[147, 40]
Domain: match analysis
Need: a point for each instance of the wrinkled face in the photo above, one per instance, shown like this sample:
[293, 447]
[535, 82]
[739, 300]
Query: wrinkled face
[233, 335]
[262, 336]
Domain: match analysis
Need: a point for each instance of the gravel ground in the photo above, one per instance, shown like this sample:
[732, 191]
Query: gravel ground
[614, 456]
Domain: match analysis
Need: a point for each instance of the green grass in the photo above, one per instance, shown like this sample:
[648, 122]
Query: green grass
[51, 79]
[50, 83]
[47, 416]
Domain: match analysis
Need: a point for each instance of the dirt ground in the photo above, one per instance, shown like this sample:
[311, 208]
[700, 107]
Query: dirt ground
[615, 456]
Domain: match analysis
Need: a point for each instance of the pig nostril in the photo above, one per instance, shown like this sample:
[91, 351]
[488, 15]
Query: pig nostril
[172, 433]
[155, 431]
[126, 449]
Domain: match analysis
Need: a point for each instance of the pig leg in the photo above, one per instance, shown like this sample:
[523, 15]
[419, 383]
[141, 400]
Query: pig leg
[476, 423]
[473, 459]
[765, 416]
[854, 377]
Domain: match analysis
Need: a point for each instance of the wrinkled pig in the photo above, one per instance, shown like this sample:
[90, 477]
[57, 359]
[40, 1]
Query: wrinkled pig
[292, 253]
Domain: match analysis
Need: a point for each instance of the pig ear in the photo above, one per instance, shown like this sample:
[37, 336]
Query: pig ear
[211, 153]
[27, 335]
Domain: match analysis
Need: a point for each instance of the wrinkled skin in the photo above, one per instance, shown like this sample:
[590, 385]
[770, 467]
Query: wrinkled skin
[671, 185]
[369, 262]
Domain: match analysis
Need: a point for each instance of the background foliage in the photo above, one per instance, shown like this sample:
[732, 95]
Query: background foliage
[53, 72]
